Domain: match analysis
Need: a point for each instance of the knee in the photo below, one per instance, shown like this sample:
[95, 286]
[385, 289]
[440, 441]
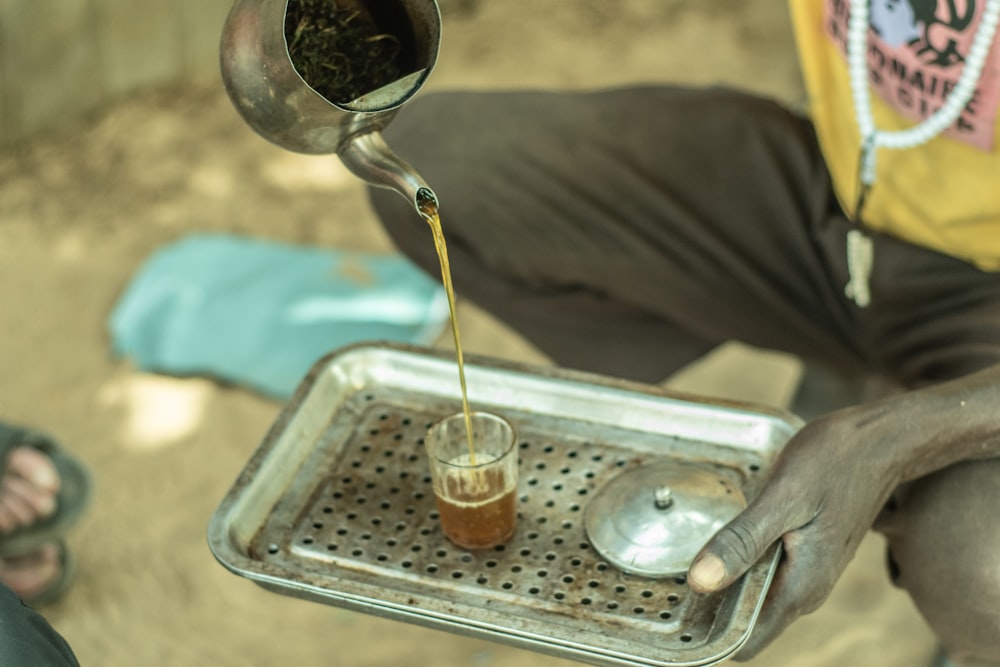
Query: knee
[434, 149]
[437, 129]
[947, 551]
[469, 148]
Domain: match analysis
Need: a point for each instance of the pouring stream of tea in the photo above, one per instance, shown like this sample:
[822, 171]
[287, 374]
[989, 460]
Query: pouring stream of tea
[429, 211]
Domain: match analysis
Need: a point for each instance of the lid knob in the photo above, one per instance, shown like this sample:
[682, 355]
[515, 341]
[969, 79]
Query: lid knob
[663, 498]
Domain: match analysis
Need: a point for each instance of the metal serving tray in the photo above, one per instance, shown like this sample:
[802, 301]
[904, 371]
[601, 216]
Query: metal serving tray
[336, 506]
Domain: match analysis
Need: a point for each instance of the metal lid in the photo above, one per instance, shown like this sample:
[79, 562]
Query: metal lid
[653, 520]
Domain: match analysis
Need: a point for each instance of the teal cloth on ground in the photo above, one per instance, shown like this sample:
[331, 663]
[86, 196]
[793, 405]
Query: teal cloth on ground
[260, 314]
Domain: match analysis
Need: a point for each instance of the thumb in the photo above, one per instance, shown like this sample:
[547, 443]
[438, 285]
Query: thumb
[734, 549]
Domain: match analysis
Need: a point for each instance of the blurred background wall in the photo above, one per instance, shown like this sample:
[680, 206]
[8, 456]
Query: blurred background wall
[61, 60]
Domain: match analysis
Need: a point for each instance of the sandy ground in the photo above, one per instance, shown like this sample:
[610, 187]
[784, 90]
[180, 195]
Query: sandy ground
[80, 212]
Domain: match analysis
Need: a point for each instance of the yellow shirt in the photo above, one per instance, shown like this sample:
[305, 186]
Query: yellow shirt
[945, 194]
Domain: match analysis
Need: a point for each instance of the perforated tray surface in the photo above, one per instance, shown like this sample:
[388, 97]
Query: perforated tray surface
[336, 506]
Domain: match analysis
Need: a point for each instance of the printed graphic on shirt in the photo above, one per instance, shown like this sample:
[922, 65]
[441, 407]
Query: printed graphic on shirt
[916, 54]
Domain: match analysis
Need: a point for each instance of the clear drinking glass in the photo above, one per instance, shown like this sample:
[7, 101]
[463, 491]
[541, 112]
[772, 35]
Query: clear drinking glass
[475, 490]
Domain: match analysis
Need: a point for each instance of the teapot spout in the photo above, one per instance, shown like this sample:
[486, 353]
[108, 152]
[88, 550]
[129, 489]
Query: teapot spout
[368, 156]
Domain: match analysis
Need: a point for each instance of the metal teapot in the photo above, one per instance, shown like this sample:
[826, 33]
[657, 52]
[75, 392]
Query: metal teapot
[274, 99]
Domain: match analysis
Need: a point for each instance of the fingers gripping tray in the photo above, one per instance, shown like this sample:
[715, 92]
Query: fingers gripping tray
[336, 506]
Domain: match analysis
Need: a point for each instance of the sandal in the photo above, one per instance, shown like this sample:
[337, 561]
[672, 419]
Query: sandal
[53, 589]
[72, 499]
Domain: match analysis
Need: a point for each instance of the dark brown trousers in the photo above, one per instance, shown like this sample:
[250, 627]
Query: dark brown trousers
[630, 231]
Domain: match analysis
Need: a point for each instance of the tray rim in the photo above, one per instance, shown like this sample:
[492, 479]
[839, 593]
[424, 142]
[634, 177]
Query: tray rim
[222, 520]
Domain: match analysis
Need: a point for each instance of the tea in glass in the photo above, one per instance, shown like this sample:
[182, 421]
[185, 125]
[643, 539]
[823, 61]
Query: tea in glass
[475, 480]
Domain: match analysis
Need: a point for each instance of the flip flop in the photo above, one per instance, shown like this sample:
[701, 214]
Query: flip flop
[59, 584]
[71, 501]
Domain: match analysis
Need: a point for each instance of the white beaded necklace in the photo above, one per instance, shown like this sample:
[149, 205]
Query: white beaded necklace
[859, 247]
